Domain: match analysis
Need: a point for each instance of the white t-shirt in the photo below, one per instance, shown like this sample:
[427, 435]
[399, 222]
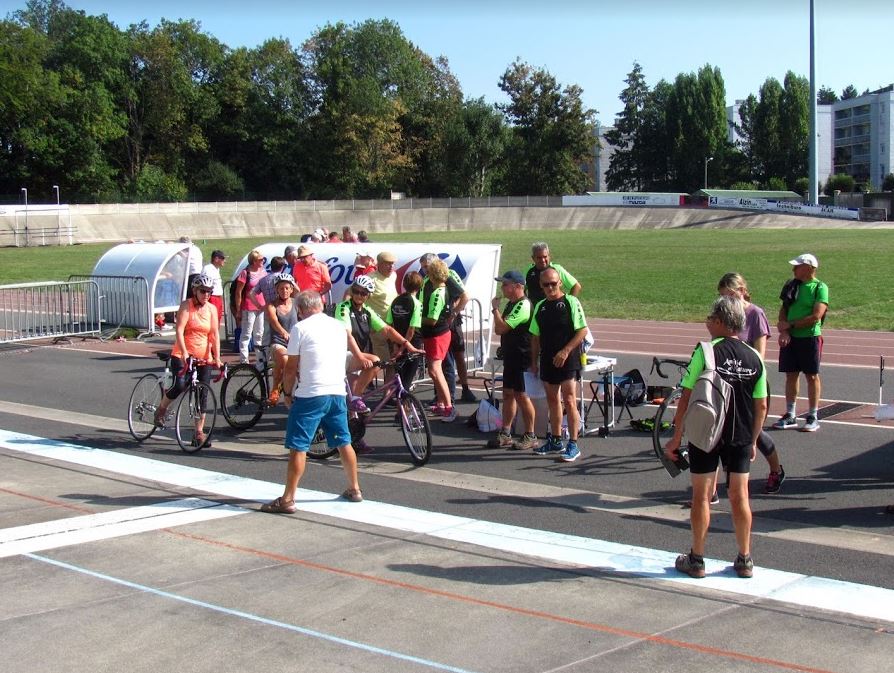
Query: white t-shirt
[214, 273]
[195, 260]
[321, 342]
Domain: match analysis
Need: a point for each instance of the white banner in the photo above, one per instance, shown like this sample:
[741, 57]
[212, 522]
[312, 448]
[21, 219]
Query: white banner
[624, 199]
[783, 207]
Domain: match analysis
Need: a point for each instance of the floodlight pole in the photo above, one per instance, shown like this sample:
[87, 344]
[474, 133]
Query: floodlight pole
[813, 173]
[56, 190]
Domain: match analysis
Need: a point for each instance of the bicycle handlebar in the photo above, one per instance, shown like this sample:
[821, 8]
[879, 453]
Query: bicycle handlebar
[658, 362]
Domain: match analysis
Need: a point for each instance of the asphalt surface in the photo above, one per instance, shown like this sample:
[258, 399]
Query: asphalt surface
[140, 557]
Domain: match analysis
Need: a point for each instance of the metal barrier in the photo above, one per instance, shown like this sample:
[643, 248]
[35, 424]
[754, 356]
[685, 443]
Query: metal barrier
[52, 310]
[122, 301]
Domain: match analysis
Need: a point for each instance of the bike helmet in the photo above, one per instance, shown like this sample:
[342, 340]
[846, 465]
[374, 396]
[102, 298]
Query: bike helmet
[283, 278]
[203, 280]
[366, 283]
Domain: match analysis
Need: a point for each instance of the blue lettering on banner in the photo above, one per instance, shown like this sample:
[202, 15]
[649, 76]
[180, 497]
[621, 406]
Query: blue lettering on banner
[337, 271]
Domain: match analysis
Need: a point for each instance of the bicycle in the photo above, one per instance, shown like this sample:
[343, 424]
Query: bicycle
[410, 414]
[197, 400]
[663, 423]
[244, 393]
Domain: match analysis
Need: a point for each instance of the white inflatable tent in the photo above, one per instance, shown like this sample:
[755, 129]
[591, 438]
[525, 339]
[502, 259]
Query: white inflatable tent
[476, 264]
[139, 280]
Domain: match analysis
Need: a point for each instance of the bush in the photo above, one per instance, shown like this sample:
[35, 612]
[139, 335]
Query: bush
[802, 185]
[744, 186]
[154, 185]
[888, 183]
[839, 182]
[776, 184]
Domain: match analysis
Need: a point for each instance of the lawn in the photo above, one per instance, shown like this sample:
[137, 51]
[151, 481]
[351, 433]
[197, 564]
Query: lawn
[642, 274]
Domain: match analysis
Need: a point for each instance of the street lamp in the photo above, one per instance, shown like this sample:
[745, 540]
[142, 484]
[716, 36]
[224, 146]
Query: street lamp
[56, 189]
[707, 159]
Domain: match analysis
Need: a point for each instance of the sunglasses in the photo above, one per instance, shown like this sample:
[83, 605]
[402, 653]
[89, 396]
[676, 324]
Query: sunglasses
[548, 285]
[203, 289]
[357, 290]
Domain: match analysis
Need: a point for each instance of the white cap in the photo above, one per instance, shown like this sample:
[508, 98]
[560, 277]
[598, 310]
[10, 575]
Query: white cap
[806, 258]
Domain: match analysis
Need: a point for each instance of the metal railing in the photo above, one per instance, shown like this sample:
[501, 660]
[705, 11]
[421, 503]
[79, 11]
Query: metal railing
[51, 310]
[122, 301]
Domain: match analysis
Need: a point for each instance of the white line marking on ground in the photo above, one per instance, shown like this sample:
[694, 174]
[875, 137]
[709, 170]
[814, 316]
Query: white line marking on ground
[105, 525]
[846, 597]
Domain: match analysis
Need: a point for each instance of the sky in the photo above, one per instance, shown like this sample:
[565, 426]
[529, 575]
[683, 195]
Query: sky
[589, 43]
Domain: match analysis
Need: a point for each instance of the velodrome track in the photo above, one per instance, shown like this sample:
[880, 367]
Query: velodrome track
[140, 558]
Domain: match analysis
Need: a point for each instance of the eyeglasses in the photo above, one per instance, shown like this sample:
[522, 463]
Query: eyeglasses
[358, 291]
[549, 285]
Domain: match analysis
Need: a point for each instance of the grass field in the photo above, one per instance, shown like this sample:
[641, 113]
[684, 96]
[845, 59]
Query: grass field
[642, 274]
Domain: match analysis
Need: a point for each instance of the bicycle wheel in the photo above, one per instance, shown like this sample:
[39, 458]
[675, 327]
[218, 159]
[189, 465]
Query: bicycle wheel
[663, 429]
[144, 400]
[243, 396]
[195, 403]
[319, 450]
[416, 430]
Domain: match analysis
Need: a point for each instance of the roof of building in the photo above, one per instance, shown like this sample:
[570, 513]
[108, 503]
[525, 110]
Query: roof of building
[750, 194]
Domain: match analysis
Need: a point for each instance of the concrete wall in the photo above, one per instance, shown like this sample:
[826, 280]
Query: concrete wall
[118, 223]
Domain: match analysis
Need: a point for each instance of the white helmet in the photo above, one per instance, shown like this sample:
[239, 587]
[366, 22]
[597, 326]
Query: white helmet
[203, 280]
[366, 283]
[283, 278]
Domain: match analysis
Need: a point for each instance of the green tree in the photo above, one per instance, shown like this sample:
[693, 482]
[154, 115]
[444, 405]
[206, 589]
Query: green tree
[826, 96]
[697, 126]
[626, 171]
[794, 126]
[840, 182]
[474, 150]
[655, 141]
[849, 92]
[552, 133]
[888, 183]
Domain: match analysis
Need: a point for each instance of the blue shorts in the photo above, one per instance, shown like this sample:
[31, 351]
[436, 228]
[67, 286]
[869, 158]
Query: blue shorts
[308, 413]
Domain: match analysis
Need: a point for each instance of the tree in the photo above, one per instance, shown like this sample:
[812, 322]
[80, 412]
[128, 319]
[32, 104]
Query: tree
[474, 150]
[552, 133]
[794, 127]
[850, 91]
[626, 170]
[888, 183]
[696, 122]
[826, 96]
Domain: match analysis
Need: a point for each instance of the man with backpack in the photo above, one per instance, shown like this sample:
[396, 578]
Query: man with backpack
[725, 403]
[805, 301]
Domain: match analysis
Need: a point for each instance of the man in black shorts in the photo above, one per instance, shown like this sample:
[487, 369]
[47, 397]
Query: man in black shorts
[739, 365]
[515, 343]
[558, 328]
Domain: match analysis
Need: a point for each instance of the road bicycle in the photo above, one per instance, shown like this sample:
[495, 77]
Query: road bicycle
[244, 393]
[663, 423]
[409, 414]
[197, 400]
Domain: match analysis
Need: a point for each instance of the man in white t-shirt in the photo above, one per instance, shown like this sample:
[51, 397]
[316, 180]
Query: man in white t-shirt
[212, 270]
[314, 378]
[195, 263]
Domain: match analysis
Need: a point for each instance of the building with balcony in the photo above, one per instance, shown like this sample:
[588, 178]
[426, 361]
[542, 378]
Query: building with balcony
[862, 129]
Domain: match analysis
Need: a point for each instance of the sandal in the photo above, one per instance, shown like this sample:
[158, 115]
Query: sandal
[279, 506]
[353, 494]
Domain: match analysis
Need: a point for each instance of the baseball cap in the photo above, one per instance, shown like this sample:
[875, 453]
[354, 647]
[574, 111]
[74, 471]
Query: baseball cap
[386, 256]
[512, 276]
[806, 258]
[218, 254]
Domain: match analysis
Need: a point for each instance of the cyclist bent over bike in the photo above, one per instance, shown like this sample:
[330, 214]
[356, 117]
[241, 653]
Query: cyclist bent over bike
[197, 337]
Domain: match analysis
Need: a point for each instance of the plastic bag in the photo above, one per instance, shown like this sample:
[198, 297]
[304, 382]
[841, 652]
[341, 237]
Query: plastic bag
[488, 417]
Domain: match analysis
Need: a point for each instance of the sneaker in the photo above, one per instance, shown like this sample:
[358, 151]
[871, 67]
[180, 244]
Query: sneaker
[361, 448]
[570, 454]
[785, 422]
[694, 566]
[744, 566]
[715, 498]
[501, 441]
[468, 396]
[448, 415]
[810, 424]
[774, 481]
[552, 445]
[527, 442]
[359, 406]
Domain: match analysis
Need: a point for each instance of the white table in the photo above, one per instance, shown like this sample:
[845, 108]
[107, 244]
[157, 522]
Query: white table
[604, 367]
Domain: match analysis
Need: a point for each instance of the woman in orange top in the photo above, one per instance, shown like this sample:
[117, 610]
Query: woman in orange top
[197, 337]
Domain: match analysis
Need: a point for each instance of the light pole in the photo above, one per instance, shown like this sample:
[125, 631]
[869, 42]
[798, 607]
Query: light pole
[56, 190]
[707, 159]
